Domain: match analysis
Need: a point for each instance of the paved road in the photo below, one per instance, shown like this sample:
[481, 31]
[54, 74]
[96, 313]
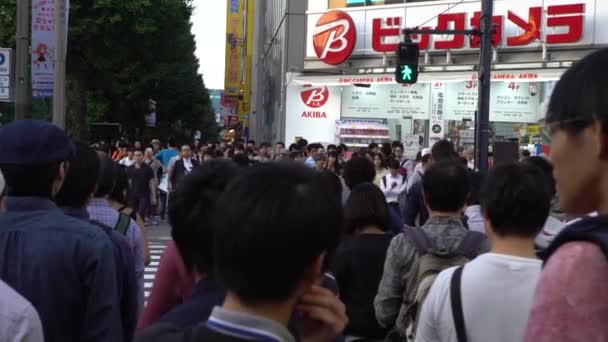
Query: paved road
[158, 237]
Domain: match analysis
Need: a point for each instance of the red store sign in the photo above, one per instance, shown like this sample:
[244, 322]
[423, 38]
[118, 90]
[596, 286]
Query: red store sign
[334, 34]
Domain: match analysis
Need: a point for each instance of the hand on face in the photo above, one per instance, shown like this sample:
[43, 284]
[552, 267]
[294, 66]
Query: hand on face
[323, 315]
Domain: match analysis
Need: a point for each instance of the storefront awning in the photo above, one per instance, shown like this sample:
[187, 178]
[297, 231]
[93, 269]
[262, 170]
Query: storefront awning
[527, 75]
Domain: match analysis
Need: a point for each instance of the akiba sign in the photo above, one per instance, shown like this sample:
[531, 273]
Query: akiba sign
[312, 112]
[339, 34]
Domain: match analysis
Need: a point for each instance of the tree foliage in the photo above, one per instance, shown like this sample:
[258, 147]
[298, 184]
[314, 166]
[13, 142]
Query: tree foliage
[123, 53]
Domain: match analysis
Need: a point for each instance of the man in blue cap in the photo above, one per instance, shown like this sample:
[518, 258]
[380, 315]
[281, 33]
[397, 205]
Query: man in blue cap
[64, 266]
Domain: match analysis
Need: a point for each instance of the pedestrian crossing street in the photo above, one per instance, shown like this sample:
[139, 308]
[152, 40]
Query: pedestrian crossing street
[157, 246]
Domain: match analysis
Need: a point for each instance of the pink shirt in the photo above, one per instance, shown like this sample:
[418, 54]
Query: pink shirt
[173, 283]
[571, 301]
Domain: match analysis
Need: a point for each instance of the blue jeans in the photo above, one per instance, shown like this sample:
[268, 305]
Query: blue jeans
[162, 204]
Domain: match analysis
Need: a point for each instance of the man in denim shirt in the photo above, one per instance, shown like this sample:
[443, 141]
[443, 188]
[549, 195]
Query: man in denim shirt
[65, 267]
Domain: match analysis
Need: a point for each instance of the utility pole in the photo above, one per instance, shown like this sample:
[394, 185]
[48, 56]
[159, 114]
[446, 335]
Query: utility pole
[482, 121]
[59, 63]
[21, 84]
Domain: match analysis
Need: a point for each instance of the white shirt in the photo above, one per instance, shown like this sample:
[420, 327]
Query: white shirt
[126, 161]
[475, 219]
[496, 291]
[19, 321]
[392, 193]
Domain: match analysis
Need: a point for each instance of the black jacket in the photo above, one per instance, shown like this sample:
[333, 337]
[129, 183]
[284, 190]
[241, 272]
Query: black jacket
[179, 171]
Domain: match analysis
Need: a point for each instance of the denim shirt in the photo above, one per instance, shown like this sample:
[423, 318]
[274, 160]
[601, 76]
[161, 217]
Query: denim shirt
[125, 277]
[64, 267]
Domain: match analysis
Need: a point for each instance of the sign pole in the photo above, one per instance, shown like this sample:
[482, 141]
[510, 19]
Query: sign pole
[23, 24]
[482, 121]
[59, 63]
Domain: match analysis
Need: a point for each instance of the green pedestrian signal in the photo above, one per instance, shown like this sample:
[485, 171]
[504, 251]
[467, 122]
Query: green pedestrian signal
[406, 66]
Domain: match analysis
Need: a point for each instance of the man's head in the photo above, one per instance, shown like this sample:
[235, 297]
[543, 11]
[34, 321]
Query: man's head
[443, 150]
[366, 206]
[251, 144]
[577, 119]
[108, 172]
[81, 181]
[358, 170]
[515, 201]
[547, 169]
[274, 213]
[393, 166]
[34, 158]
[137, 145]
[374, 148]
[186, 152]
[320, 161]
[278, 147]
[190, 211]
[398, 150]
[138, 156]
[149, 153]
[171, 143]
[264, 149]
[446, 186]
[208, 156]
[312, 150]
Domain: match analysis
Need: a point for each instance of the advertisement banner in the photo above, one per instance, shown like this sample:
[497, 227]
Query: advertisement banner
[5, 74]
[517, 102]
[436, 122]
[312, 113]
[461, 100]
[234, 46]
[43, 48]
[387, 101]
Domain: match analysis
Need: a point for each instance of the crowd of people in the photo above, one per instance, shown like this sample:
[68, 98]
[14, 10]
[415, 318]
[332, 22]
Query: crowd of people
[309, 243]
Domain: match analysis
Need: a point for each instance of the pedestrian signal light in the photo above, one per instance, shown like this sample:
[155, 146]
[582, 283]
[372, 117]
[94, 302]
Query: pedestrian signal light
[406, 70]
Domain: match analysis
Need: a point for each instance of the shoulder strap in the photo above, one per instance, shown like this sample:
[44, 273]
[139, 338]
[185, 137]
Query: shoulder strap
[121, 208]
[123, 223]
[456, 299]
[403, 162]
[471, 244]
[423, 244]
[384, 180]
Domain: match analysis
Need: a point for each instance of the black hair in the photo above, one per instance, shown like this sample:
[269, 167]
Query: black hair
[294, 155]
[581, 94]
[372, 146]
[293, 147]
[81, 179]
[274, 213]
[302, 143]
[332, 147]
[107, 175]
[171, 142]
[366, 206]
[381, 156]
[446, 186]
[190, 211]
[138, 150]
[251, 142]
[239, 147]
[312, 147]
[443, 150]
[386, 149]
[515, 199]
[398, 144]
[476, 184]
[393, 163]
[119, 192]
[30, 180]
[241, 160]
[280, 143]
[545, 166]
[342, 148]
[525, 153]
[358, 170]
[265, 144]
[419, 156]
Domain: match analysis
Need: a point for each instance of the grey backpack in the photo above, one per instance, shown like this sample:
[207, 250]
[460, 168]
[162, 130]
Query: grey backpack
[431, 260]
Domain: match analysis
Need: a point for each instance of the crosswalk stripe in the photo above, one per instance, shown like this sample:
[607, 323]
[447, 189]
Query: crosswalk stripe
[156, 247]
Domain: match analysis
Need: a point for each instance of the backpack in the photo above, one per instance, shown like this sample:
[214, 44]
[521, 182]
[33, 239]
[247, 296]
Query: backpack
[590, 229]
[402, 170]
[403, 177]
[431, 260]
[123, 223]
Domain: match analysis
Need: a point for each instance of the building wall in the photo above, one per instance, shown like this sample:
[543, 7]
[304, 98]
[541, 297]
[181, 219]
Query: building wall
[279, 48]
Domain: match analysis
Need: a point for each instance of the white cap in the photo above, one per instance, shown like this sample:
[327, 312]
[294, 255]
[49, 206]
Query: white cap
[425, 152]
[2, 183]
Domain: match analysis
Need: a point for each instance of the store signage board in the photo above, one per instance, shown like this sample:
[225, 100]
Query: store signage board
[515, 102]
[520, 25]
[460, 100]
[387, 101]
[5, 74]
[312, 112]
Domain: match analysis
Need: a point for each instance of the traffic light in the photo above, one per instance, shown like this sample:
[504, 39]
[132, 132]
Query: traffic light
[406, 68]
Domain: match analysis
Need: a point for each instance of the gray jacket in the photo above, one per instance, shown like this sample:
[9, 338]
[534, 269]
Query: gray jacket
[447, 233]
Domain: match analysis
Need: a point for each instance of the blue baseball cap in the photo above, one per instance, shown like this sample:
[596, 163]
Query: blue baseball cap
[34, 142]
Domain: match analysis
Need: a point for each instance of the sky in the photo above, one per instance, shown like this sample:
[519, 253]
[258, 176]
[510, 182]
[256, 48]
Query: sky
[209, 29]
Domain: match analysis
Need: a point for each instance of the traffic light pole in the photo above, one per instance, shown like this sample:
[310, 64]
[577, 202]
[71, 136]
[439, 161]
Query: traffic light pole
[482, 122]
[22, 59]
[482, 119]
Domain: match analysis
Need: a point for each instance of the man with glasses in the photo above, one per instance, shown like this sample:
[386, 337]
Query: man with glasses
[570, 302]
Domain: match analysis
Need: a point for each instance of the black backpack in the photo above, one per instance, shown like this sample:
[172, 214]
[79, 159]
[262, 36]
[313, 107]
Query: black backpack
[590, 229]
